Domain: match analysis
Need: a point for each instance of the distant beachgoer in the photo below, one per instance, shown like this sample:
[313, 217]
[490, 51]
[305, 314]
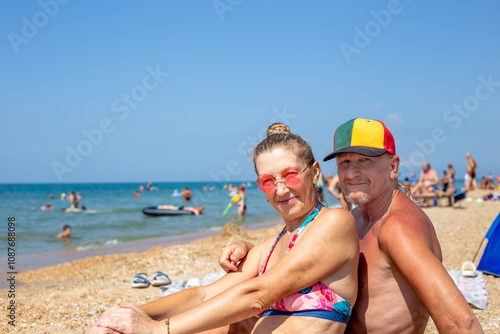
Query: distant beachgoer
[186, 194]
[445, 181]
[149, 186]
[319, 188]
[471, 171]
[428, 180]
[451, 172]
[51, 196]
[335, 189]
[413, 180]
[489, 182]
[47, 206]
[407, 183]
[74, 199]
[450, 190]
[197, 211]
[137, 194]
[242, 202]
[66, 233]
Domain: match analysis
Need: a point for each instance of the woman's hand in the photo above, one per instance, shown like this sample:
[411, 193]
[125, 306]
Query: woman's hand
[232, 254]
[129, 319]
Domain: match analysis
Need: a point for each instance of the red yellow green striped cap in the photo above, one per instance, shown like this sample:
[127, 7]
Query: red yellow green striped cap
[363, 136]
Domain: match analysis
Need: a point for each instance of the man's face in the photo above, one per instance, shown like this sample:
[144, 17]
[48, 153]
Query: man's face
[363, 178]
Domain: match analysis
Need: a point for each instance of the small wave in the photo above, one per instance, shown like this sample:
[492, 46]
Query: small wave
[95, 246]
[214, 229]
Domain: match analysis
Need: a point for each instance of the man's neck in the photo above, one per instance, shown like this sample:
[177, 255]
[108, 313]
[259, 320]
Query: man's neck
[378, 207]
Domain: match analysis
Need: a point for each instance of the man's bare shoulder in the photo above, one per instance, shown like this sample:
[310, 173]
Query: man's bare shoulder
[405, 221]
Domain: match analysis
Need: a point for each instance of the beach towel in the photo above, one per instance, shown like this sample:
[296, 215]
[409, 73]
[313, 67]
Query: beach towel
[181, 285]
[473, 288]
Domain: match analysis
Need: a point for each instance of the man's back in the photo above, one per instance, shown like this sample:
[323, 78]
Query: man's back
[393, 307]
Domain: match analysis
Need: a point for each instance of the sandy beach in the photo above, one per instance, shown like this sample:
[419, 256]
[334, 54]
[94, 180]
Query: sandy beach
[70, 297]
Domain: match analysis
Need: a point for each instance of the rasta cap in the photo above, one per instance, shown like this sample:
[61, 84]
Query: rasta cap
[363, 136]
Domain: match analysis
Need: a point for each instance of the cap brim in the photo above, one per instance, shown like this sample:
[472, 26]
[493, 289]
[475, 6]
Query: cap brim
[363, 150]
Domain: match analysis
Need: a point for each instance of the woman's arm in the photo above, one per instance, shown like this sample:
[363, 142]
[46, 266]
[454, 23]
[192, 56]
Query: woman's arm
[324, 248]
[149, 317]
[321, 251]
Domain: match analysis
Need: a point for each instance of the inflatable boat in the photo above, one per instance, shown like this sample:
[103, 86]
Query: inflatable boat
[154, 211]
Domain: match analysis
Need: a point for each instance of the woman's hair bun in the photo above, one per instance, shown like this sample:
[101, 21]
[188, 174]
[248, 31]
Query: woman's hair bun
[277, 128]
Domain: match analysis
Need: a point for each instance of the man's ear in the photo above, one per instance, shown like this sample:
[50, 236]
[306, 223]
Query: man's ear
[395, 167]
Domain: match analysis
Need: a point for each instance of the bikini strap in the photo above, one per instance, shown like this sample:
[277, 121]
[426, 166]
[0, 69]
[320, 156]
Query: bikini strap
[264, 265]
[308, 219]
[304, 224]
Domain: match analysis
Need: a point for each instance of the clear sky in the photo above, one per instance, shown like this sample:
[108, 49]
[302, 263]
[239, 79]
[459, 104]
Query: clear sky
[108, 91]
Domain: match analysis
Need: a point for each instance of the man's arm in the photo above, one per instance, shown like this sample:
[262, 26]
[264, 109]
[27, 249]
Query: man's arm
[409, 248]
[232, 254]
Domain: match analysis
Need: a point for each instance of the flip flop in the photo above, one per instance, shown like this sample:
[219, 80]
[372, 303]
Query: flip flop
[140, 280]
[160, 278]
[468, 269]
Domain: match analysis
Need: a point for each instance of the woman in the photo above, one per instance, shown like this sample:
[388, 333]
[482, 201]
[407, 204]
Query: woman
[242, 202]
[302, 281]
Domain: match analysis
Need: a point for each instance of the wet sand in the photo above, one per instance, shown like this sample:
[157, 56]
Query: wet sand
[70, 297]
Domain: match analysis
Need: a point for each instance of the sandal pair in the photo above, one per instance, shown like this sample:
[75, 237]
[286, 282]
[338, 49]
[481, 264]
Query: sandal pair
[141, 280]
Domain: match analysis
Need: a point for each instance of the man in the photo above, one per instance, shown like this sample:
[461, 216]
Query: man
[471, 171]
[66, 233]
[336, 191]
[426, 183]
[401, 278]
[186, 194]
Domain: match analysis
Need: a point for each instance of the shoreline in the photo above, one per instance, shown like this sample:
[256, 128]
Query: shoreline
[29, 262]
[69, 297]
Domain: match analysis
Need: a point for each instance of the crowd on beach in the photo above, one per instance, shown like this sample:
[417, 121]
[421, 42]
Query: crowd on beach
[355, 259]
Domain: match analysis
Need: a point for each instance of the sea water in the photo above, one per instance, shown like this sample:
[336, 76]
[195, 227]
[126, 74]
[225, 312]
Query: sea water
[113, 219]
[114, 222]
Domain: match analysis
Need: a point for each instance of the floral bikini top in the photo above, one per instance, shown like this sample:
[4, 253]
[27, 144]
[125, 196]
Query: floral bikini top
[317, 301]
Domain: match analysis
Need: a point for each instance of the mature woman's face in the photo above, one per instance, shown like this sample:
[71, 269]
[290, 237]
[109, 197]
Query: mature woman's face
[291, 201]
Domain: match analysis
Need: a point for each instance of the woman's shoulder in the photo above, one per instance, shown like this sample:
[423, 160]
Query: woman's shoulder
[336, 221]
[336, 215]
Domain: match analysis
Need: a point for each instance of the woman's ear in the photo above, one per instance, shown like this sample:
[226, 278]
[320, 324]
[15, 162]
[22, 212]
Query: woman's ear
[316, 172]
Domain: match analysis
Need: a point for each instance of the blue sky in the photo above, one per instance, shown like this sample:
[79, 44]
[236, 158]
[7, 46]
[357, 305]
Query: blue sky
[179, 91]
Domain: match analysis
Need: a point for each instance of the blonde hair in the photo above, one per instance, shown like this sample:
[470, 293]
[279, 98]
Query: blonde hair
[279, 135]
[277, 128]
